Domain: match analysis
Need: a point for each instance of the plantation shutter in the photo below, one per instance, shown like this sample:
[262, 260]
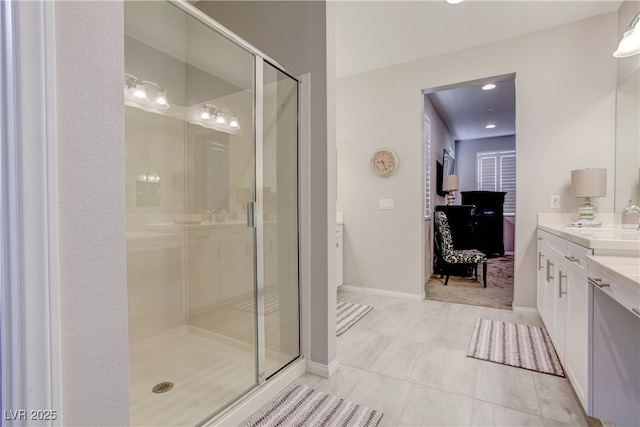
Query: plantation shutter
[218, 173]
[508, 182]
[487, 172]
[497, 172]
[427, 167]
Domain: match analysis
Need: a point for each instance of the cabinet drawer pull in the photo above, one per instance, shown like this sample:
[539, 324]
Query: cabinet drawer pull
[549, 266]
[572, 258]
[636, 311]
[598, 282]
[560, 276]
[540, 256]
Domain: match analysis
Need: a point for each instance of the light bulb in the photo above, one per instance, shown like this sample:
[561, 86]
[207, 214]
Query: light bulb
[140, 92]
[234, 122]
[490, 126]
[205, 114]
[489, 86]
[161, 99]
[220, 119]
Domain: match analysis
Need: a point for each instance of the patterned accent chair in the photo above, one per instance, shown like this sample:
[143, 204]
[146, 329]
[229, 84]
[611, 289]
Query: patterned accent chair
[450, 256]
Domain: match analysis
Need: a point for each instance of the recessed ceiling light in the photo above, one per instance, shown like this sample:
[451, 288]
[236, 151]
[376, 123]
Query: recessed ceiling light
[454, 1]
[490, 126]
[488, 86]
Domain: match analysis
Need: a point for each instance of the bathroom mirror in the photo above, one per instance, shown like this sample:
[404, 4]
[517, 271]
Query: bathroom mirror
[627, 171]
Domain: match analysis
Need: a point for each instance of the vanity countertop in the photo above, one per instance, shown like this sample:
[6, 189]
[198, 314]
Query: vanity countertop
[610, 237]
[624, 270]
[613, 238]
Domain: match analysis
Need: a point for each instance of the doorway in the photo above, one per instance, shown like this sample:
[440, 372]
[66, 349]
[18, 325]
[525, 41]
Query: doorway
[472, 131]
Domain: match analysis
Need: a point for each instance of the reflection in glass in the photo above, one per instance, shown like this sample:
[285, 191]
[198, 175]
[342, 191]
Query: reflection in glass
[627, 172]
[190, 253]
[280, 195]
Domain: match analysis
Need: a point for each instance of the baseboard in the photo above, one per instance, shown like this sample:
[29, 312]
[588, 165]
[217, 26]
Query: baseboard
[239, 412]
[322, 370]
[384, 293]
[529, 311]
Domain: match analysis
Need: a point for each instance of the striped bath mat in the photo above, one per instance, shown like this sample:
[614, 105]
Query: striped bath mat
[271, 303]
[512, 344]
[303, 406]
[348, 314]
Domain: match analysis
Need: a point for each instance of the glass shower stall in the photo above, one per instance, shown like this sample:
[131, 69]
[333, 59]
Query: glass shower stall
[211, 163]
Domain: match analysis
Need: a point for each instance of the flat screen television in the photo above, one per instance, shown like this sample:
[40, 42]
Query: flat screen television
[439, 174]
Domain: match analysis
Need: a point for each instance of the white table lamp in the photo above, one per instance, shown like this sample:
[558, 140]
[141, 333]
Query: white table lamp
[450, 184]
[588, 183]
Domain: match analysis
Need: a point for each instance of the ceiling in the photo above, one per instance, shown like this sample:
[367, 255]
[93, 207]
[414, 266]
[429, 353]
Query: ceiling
[377, 34]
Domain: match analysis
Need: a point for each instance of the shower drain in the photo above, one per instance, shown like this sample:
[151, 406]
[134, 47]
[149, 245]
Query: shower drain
[162, 387]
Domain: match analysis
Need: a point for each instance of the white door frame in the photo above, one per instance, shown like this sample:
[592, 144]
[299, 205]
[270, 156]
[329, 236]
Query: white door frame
[29, 296]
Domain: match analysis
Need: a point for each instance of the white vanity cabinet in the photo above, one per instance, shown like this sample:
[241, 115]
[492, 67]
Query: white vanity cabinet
[563, 304]
[220, 263]
[615, 346]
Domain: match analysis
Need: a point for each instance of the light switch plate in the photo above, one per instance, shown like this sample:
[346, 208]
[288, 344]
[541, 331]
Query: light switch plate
[386, 204]
[555, 201]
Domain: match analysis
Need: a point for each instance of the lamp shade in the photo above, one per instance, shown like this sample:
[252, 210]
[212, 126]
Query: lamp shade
[589, 183]
[450, 182]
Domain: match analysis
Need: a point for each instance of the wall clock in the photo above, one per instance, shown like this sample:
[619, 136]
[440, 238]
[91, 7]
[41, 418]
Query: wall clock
[384, 162]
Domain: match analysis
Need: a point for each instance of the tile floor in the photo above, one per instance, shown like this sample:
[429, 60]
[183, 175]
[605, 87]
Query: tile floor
[408, 359]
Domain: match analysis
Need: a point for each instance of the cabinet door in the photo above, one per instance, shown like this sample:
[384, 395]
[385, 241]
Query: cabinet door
[549, 296]
[203, 260]
[577, 334]
[236, 267]
[541, 279]
[560, 309]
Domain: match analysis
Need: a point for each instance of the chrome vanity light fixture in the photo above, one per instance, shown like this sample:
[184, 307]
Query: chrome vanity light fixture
[220, 116]
[588, 183]
[630, 43]
[136, 89]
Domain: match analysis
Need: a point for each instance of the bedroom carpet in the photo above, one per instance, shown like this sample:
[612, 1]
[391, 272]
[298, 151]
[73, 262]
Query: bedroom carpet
[463, 290]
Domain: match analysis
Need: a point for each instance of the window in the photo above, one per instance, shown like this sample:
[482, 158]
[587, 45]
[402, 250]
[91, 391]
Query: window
[217, 170]
[427, 167]
[497, 172]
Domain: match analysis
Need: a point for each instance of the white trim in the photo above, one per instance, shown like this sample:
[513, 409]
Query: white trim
[384, 293]
[29, 222]
[528, 311]
[322, 370]
[240, 411]
[258, 219]
[304, 203]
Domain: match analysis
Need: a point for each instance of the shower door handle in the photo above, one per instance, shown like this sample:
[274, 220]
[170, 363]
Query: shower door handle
[250, 215]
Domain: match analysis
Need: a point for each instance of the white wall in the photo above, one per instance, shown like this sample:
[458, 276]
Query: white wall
[93, 283]
[565, 92]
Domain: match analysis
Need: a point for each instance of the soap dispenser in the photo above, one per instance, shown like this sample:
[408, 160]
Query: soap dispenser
[631, 217]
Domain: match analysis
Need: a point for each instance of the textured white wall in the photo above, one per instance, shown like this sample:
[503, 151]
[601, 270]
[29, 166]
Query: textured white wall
[565, 92]
[93, 285]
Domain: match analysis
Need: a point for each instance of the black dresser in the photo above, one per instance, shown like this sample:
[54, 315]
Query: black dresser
[488, 220]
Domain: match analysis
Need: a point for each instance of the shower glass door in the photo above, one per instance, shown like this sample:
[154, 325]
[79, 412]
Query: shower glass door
[279, 175]
[211, 136]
